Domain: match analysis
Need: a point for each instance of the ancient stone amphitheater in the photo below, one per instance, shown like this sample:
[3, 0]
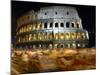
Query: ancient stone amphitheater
[51, 27]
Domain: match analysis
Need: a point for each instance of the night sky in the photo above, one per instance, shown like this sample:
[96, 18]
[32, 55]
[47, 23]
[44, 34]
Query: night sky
[87, 13]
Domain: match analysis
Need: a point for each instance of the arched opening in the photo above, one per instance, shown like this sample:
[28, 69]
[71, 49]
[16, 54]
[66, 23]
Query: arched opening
[34, 27]
[19, 39]
[73, 24]
[78, 45]
[22, 30]
[56, 12]
[40, 36]
[68, 45]
[74, 45]
[45, 25]
[62, 36]
[45, 13]
[56, 36]
[73, 35]
[83, 35]
[55, 45]
[44, 46]
[30, 27]
[51, 36]
[30, 37]
[45, 36]
[56, 25]
[78, 25]
[50, 46]
[67, 36]
[39, 45]
[78, 35]
[62, 46]
[67, 13]
[27, 27]
[62, 25]
[67, 25]
[40, 26]
[51, 25]
[34, 37]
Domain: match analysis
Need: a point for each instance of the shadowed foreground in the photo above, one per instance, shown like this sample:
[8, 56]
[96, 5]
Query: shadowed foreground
[37, 61]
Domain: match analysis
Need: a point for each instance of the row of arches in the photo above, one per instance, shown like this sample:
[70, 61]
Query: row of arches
[56, 45]
[39, 26]
[52, 36]
[56, 12]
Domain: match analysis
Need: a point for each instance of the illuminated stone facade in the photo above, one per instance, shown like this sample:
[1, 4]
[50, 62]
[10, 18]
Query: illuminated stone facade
[51, 27]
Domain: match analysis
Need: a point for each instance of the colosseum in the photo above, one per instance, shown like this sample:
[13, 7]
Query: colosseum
[51, 27]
